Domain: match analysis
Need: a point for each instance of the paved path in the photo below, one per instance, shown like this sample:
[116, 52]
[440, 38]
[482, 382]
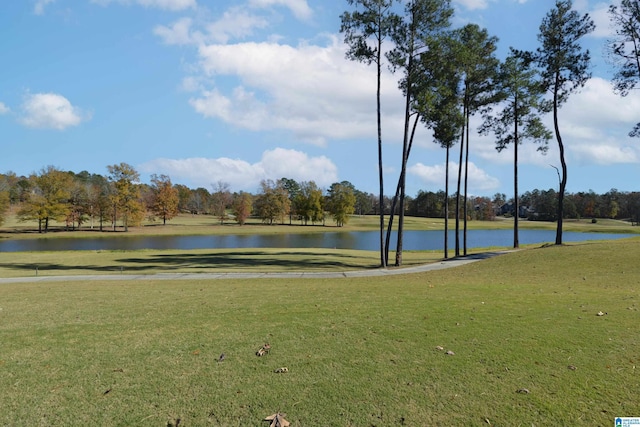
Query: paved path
[378, 272]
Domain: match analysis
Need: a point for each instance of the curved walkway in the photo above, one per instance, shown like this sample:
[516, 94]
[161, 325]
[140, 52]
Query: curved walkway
[378, 272]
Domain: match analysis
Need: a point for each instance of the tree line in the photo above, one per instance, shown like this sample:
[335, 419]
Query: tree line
[118, 200]
[448, 75]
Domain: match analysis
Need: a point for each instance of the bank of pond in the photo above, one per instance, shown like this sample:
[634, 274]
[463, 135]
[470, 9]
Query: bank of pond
[358, 240]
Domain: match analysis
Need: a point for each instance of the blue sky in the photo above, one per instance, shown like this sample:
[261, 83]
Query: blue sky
[237, 91]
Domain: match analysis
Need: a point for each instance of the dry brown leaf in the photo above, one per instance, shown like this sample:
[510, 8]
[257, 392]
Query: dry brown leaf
[263, 350]
[277, 420]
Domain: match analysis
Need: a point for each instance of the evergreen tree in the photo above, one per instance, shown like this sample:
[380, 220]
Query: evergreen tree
[624, 50]
[518, 120]
[564, 68]
[365, 31]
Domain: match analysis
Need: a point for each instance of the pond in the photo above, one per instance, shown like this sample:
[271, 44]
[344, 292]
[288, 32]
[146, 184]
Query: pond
[363, 240]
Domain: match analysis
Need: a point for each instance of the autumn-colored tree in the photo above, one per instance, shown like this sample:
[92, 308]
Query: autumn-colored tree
[5, 187]
[4, 205]
[242, 203]
[49, 198]
[100, 196]
[221, 199]
[126, 198]
[273, 203]
[164, 198]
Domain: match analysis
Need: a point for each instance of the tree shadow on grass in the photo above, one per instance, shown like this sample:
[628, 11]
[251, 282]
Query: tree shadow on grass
[252, 260]
[256, 261]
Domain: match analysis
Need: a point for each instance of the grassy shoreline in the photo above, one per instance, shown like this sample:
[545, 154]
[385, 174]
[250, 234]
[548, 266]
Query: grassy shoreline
[204, 224]
[359, 351]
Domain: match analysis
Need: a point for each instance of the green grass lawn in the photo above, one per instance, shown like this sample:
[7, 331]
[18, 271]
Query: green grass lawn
[64, 263]
[360, 351]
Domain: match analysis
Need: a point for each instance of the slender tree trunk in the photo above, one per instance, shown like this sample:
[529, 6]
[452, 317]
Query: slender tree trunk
[516, 202]
[457, 236]
[563, 181]
[396, 197]
[394, 204]
[383, 253]
[466, 186]
[446, 206]
[405, 158]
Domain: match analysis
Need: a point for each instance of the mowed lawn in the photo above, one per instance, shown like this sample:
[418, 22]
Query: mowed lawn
[529, 347]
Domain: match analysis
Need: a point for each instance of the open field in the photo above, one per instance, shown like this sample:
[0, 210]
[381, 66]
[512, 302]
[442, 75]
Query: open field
[360, 351]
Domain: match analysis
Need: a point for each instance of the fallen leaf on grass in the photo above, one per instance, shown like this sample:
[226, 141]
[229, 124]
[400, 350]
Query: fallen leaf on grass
[440, 348]
[450, 353]
[277, 420]
[523, 391]
[263, 350]
[573, 368]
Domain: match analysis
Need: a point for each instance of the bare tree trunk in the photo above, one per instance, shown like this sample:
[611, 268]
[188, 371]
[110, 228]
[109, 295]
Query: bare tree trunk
[396, 198]
[446, 206]
[383, 252]
[466, 186]
[516, 202]
[457, 236]
[563, 181]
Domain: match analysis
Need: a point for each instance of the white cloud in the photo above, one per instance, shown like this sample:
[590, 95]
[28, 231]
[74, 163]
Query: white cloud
[581, 5]
[236, 23]
[38, 8]
[3, 108]
[595, 124]
[473, 4]
[606, 153]
[177, 34]
[174, 5]
[50, 111]
[242, 175]
[600, 16]
[299, 8]
[479, 180]
[312, 91]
